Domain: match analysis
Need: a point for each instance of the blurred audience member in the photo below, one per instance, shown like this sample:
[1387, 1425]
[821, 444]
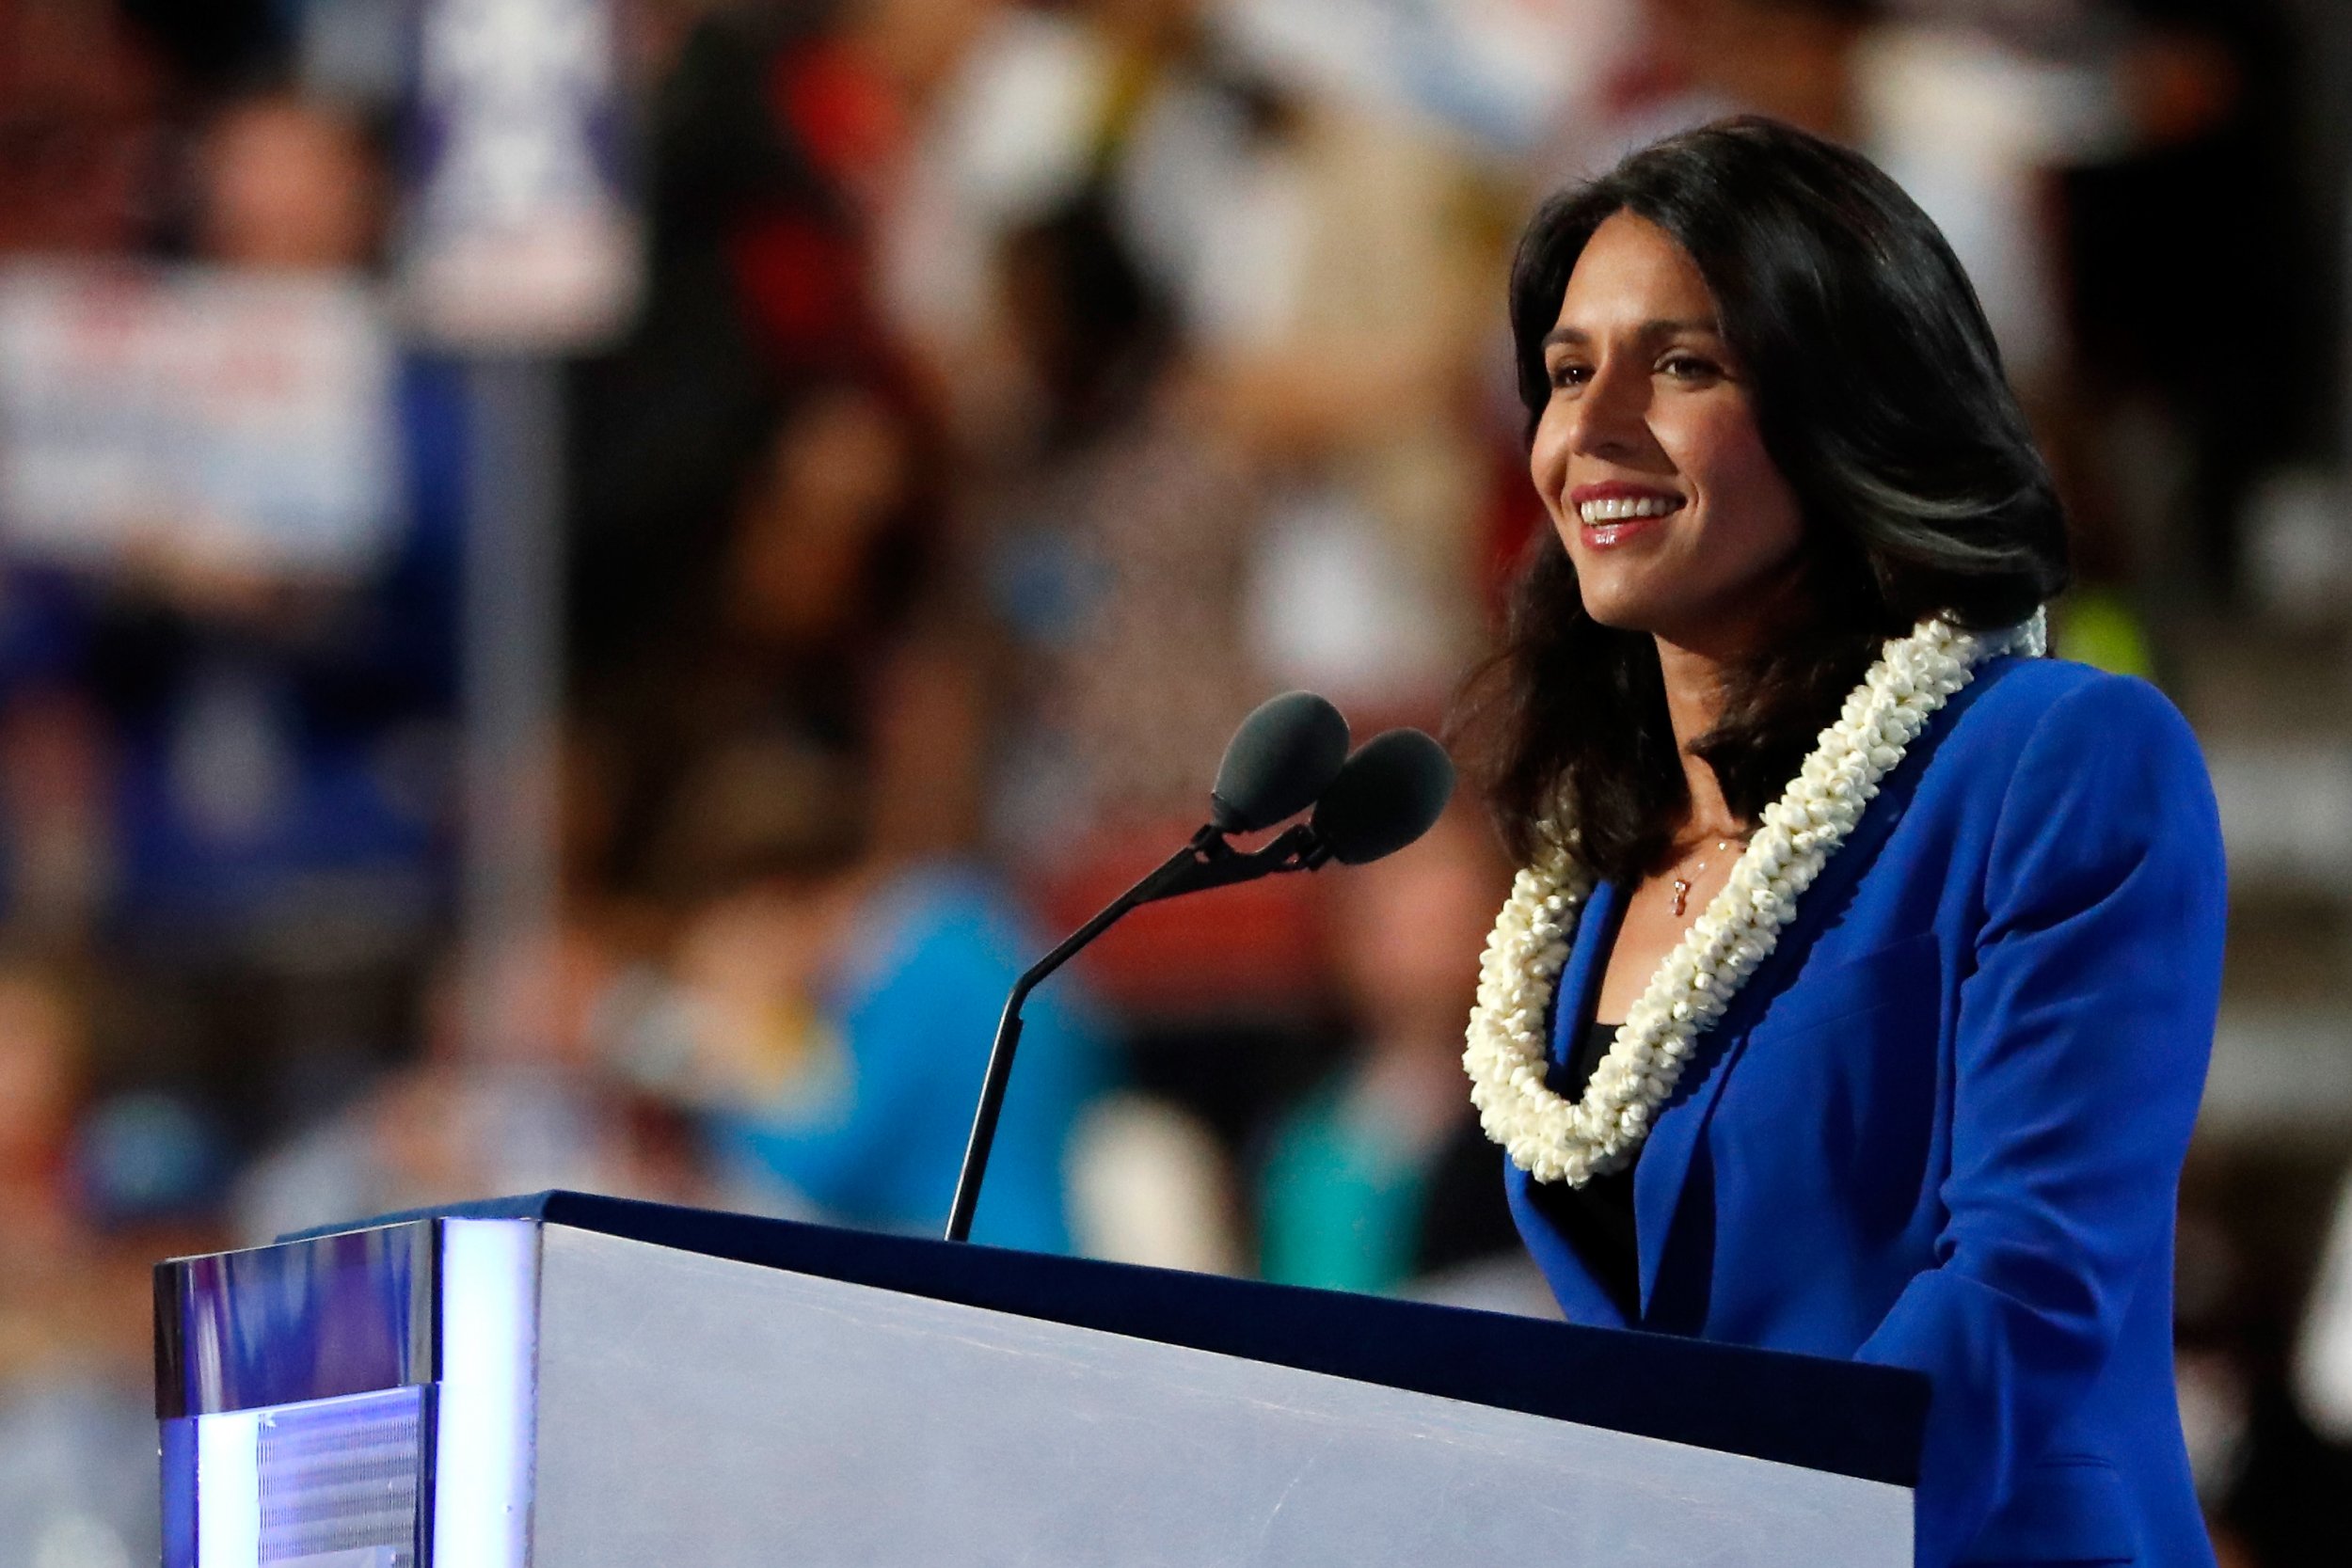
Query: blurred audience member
[56, 819]
[1117, 561]
[827, 1010]
[1118, 546]
[85, 1206]
[233, 766]
[2217, 99]
[288, 185]
[449, 1129]
[2323, 1351]
[82, 137]
[778, 134]
[1150, 1183]
[1381, 1178]
[2253, 1322]
[800, 633]
[765, 513]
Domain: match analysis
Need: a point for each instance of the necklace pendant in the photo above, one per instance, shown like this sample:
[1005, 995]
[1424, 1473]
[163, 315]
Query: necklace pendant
[1682, 894]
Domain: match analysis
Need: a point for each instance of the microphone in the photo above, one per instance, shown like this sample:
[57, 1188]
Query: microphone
[1290, 753]
[1388, 795]
[1284, 757]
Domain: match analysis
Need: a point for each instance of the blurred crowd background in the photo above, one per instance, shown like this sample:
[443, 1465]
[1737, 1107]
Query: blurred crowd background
[612, 701]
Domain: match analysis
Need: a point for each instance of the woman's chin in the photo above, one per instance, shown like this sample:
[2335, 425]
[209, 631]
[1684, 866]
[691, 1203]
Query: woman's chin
[1621, 613]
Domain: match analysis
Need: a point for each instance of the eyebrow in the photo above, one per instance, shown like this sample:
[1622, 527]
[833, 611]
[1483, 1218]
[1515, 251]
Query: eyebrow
[1657, 328]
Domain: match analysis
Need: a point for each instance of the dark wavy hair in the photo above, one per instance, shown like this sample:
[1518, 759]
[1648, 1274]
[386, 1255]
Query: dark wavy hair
[1879, 396]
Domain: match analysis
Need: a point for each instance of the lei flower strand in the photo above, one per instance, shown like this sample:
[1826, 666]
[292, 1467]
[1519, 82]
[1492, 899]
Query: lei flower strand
[1554, 1139]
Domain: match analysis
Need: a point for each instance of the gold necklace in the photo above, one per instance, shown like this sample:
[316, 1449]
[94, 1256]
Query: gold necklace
[1682, 885]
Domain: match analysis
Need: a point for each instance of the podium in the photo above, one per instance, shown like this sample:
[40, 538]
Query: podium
[565, 1380]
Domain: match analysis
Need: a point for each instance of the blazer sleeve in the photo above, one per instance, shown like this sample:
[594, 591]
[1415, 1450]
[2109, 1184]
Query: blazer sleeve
[2079, 1058]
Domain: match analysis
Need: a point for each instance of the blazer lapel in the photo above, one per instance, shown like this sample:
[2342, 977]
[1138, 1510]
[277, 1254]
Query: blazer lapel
[1582, 1297]
[1666, 1160]
[1579, 990]
[1665, 1164]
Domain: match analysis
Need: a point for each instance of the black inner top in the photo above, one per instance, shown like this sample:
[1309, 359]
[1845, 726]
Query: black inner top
[1597, 1217]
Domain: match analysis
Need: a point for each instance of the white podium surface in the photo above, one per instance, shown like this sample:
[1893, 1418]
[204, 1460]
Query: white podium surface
[696, 1410]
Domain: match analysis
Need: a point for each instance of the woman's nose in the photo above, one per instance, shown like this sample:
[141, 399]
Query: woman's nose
[1607, 419]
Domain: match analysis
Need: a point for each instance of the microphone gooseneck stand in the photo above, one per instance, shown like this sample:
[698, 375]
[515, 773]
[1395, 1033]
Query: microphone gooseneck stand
[1206, 861]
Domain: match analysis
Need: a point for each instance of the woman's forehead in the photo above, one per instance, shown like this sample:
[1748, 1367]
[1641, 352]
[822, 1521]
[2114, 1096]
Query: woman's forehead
[1632, 277]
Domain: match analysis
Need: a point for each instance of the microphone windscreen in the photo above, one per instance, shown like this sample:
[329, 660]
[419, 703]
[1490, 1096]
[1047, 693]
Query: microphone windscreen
[1390, 793]
[1281, 759]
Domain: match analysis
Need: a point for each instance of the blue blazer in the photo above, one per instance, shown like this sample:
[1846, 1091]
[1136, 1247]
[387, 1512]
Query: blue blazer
[1942, 1125]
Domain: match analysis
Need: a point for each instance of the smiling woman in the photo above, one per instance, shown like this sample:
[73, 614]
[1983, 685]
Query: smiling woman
[1803, 331]
[1797, 797]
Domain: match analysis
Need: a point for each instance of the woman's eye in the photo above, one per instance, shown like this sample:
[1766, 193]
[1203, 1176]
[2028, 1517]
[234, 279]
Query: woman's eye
[1569, 373]
[1688, 367]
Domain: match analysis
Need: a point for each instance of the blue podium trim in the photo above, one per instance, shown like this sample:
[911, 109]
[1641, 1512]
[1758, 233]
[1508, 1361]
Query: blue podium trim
[349, 1312]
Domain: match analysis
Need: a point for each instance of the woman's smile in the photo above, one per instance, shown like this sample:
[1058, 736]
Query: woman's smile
[1616, 513]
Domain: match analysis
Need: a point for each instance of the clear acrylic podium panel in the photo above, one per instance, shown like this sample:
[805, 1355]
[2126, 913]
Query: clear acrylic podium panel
[503, 1392]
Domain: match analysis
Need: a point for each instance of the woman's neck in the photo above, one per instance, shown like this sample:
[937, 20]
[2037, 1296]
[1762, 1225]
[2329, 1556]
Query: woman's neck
[1695, 701]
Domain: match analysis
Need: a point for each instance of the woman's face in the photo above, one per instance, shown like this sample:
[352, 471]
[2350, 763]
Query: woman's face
[1648, 457]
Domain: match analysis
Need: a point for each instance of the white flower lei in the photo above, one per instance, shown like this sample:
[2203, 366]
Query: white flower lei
[1553, 1139]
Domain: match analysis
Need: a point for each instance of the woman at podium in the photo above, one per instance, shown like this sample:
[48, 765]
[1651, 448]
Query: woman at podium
[1857, 993]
